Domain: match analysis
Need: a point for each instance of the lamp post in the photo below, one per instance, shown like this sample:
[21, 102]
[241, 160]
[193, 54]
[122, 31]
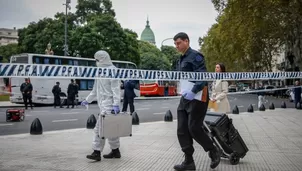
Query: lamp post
[65, 44]
[165, 40]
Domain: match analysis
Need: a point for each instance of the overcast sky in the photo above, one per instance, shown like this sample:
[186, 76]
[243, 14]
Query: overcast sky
[167, 17]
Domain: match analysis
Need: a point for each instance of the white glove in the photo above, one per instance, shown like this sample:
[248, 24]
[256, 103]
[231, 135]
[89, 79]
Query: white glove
[85, 103]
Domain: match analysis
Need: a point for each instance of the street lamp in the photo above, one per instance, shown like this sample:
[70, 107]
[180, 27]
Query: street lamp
[165, 40]
[65, 44]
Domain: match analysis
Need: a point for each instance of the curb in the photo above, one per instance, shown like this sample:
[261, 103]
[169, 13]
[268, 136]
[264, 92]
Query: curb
[155, 98]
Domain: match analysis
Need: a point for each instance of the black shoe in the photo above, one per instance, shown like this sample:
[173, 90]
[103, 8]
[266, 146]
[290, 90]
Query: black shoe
[188, 164]
[215, 155]
[115, 153]
[96, 155]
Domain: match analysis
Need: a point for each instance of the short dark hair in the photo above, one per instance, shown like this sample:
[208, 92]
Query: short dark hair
[72, 80]
[182, 36]
[222, 67]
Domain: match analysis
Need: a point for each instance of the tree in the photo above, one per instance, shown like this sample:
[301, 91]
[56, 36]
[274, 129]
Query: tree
[8, 50]
[152, 58]
[258, 29]
[171, 53]
[88, 8]
[151, 61]
[35, 37]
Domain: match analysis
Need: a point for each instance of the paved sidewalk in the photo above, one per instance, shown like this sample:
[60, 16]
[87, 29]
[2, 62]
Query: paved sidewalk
[7, 104]
[274, 139]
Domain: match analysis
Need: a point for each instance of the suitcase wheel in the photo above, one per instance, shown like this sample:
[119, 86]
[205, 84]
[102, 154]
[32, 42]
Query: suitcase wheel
[234, 159]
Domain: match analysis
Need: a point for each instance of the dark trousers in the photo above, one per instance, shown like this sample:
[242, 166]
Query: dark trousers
[297, 100]
[190, 116]
[127, 101]
[27, 97]
[57, 101]
[70, 99]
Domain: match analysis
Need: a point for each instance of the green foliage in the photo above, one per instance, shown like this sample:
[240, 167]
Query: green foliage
[91, 28]
[152, 58]
[8, 50]
[249, 33]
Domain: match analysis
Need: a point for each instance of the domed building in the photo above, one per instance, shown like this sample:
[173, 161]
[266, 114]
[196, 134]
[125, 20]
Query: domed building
[147, 34]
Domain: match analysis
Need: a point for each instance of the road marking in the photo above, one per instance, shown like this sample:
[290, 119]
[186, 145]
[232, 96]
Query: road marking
[142, 109]
[147, 105]
[240, 106]
[69, 113]
[160, 113]
[66, 120]
[77, 109]
[40, 111]
[28, 115]
[6, 124]
[165, 107]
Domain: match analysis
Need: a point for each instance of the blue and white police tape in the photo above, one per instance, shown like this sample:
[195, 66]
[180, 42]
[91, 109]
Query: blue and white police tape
[83, 72]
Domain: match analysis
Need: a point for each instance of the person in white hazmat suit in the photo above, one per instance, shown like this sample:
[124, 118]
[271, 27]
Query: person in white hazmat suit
[108, 96]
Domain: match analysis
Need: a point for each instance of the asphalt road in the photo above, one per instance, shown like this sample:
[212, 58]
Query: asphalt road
[147, 110]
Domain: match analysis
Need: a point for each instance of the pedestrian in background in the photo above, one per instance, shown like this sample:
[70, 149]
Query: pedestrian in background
[56, 90]
[129, 95]
[26, 90]
[220, 89]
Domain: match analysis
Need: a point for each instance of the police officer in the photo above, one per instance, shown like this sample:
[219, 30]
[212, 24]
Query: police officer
[26, 90]
[56, 90]
[71, 93]
[129, 95]
[192, 107]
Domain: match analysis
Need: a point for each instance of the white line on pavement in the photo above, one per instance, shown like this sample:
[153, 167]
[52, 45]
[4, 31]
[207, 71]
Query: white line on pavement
[35, 111]
[69, 113]
[240, 106]
[142, 109]
[160, 113]
[66, 120]
[165, 107]
[28, 115]
[6, 124]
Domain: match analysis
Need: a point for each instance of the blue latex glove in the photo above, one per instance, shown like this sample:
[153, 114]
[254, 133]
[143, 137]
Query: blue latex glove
[84, 103]
[189, 95]
[116, 109]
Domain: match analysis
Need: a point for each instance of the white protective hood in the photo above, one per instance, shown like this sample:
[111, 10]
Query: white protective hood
[102, 59]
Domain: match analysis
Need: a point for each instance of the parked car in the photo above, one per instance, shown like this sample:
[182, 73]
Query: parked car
[232, 88]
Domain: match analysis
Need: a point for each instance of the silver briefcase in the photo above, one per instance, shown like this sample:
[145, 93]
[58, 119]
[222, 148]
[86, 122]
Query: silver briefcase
[115, 125]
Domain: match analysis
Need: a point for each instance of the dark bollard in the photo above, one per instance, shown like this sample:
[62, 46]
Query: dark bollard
[235, 110]
[283, 104]
[272, 106]
[168, 116]
[135, 119]
[299, 106]
[250, 109]
[36, 127]
[91, 121]
[262, 107]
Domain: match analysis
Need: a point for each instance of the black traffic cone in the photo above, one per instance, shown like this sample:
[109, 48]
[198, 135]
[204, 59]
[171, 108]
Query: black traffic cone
[262, 107]
[36, 127]
[272, 106]
[250, 109]
[135, 119]
[299, 106]
[168, 116]
[91, 121]
[283, 104]
[235, 110]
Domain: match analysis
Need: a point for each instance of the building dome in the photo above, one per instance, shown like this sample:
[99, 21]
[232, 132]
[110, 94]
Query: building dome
[148, 35]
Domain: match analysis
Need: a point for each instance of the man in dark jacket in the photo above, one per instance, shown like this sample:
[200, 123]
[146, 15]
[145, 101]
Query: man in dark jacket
[71, 92]
[192, 107]
[26, 90]
[129, 95]
[56, 90]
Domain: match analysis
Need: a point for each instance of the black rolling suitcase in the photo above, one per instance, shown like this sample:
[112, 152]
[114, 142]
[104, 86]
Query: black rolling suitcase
[221, 129]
